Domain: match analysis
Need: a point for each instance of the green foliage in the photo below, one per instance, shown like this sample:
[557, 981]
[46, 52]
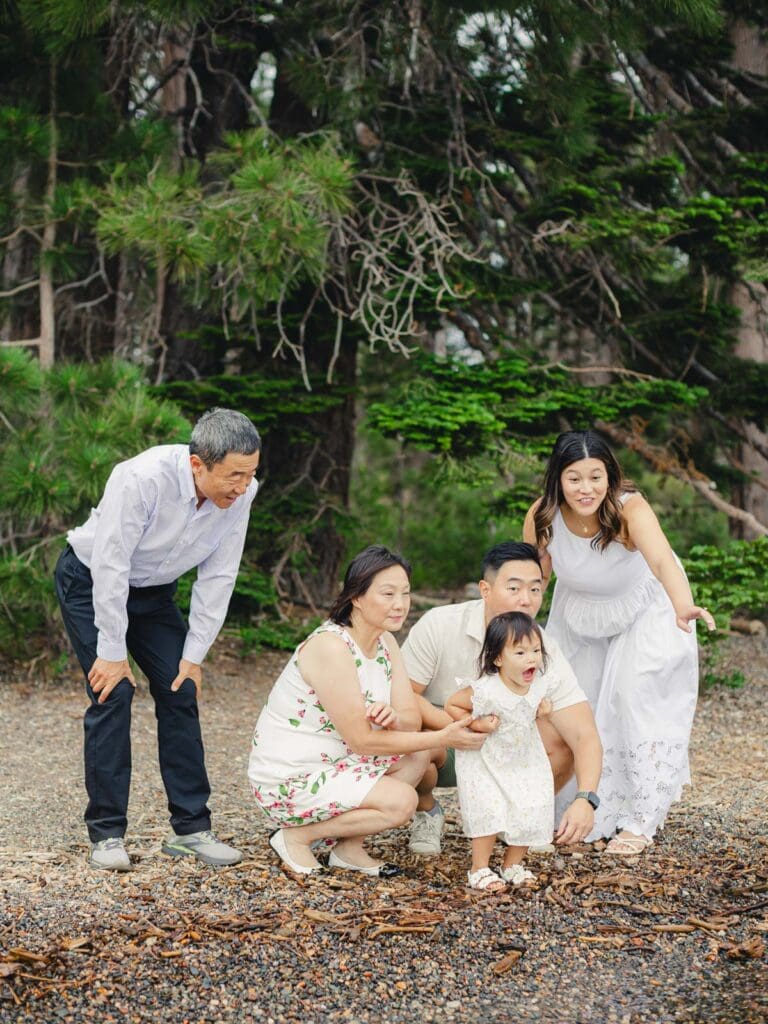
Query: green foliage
[62, 433]
[257, 224]
[465, 410]
[286, 510]
[279, 635]
[442, 521]
[603, 217]
[730, 579]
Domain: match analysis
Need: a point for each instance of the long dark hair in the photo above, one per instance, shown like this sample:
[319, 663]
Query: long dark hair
[571, 447]
[509, 627]
[359, 576]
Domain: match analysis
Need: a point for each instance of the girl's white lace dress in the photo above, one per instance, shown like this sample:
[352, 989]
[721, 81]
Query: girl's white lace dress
[506, 788]
[616, 627]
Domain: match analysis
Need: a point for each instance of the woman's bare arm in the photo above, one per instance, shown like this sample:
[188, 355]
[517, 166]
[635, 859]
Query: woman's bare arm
[529, 536]
[326, 665]
[644, 532]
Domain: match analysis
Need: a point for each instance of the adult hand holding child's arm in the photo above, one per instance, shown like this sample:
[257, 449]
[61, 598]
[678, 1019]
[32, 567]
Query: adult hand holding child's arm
[544, 708]
[460, 704]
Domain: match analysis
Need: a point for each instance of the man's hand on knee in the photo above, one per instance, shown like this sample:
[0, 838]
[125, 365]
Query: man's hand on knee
[105, 675]
[188, 670]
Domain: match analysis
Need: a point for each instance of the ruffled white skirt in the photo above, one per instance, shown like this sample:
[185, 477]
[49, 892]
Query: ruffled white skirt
[640, 674]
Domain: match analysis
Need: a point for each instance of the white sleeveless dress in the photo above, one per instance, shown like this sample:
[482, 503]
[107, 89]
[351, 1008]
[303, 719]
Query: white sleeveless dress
[639, 670]
[300, 768]
[506, 788]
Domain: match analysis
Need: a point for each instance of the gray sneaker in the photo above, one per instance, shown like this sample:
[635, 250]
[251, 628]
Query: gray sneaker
[109, 855]
[203, 845]
[426, 830]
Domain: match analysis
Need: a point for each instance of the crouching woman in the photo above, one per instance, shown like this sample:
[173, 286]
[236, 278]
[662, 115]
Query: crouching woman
[337, 749]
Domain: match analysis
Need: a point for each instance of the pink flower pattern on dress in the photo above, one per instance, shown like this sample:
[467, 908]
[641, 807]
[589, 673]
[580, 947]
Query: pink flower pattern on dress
[298, 799]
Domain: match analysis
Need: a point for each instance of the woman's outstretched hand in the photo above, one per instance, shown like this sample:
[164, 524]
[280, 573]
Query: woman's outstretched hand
[687, 615]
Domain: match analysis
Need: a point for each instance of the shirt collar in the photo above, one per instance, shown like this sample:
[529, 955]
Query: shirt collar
[186, 480]
[533, 697]
[476, 621]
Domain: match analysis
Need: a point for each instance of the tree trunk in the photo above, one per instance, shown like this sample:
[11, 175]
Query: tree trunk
[307, 468]
[750, 54]
[14, 258]
[752, 494]
[47, 341]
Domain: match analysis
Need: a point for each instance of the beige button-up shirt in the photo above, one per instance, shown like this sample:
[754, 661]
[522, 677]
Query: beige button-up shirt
[442, 649]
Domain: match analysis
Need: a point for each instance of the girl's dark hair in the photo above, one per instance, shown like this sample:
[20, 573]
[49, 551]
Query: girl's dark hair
[509, 627]
[359, 576]
[571, 447]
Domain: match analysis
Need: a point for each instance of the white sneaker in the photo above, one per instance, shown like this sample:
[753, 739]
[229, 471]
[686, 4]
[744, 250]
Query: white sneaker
[426, 830]
[109, 854]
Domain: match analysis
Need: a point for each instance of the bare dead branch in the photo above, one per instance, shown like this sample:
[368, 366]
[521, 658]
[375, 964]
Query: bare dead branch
[663, 462]
[20, 288]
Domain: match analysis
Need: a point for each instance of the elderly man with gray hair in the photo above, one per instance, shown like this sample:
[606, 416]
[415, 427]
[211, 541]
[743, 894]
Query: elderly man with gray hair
[163, 512]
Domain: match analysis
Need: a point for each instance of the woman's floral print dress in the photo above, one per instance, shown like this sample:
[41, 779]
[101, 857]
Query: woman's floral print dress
[300, 768]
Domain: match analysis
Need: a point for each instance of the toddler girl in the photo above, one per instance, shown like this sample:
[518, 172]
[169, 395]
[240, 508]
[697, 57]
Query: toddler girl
[506, 788]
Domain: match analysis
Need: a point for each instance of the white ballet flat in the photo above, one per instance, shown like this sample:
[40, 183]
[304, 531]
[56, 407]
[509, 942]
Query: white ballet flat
[277, 842]
[375, 871]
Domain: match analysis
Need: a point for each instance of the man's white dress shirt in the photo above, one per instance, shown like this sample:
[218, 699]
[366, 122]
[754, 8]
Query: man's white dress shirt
[146, 531]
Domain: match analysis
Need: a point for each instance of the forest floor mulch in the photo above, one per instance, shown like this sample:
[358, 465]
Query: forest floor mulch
[677, 935]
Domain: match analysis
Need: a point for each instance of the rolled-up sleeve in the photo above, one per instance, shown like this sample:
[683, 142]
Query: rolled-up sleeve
[420, 652]
[213, 587]
[123, 515]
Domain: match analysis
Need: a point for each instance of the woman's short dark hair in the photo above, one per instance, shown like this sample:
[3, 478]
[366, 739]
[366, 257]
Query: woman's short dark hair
[359, 576]
[570, 447]
[507, 628]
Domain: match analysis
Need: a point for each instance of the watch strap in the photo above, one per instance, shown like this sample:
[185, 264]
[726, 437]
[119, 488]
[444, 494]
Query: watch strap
[592, 798]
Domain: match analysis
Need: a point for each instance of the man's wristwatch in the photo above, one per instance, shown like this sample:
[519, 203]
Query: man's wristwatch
[592, 798]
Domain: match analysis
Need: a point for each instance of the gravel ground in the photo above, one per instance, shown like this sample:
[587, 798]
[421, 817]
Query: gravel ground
[675, 936]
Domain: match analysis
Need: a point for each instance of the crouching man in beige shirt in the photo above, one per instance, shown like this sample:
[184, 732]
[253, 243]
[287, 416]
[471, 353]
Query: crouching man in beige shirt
[443, 648]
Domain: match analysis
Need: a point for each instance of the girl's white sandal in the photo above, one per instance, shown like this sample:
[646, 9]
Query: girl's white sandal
[517, 875]
[484, 878]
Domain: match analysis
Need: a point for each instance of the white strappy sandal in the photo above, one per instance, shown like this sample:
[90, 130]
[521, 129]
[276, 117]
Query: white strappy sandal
[516, 874]
[483, 879]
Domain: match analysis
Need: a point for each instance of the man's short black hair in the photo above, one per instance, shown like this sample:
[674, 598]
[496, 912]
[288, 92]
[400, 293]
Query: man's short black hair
[508, 551]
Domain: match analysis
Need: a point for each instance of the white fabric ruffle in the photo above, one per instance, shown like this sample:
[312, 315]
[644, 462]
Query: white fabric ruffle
[592, 618]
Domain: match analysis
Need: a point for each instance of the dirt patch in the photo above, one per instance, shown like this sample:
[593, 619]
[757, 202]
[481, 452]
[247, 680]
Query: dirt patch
[678, 935]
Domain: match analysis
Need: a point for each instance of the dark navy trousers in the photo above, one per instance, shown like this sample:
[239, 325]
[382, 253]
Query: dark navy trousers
[155, 640]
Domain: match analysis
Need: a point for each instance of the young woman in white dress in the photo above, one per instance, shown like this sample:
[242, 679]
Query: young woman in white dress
[506, 788]
[337, 750]
[622, 611]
